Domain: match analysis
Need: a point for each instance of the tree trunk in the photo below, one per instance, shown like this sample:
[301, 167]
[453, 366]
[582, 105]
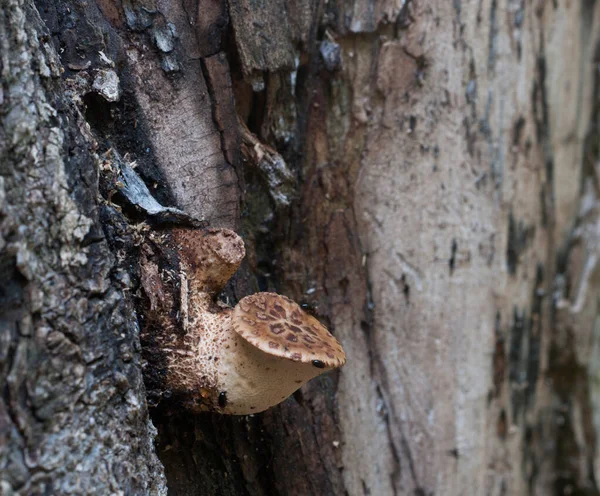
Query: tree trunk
[73, 415]
[424, 177]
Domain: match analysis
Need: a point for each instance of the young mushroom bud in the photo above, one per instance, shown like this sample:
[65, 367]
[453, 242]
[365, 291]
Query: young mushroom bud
[210, 257]
[212, 357]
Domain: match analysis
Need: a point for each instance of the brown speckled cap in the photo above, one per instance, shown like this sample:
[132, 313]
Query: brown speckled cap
[278, 326]
[211, 255]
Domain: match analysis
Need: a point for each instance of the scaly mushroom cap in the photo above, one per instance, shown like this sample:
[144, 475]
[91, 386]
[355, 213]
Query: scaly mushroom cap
[211, 256]
[277, 326]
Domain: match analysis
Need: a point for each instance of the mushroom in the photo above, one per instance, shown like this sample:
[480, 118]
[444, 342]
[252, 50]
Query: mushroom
[238, 360]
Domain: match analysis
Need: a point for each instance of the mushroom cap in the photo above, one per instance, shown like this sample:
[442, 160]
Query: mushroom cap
[277, 326]
[211, 255]
[214, 245]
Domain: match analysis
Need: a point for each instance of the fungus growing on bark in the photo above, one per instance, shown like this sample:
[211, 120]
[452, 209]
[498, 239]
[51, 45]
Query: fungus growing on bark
[212, 357]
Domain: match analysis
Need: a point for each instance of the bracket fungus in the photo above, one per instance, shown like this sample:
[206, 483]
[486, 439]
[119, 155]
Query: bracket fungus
[212, 357]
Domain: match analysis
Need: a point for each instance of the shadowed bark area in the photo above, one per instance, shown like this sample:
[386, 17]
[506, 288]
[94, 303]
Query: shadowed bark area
[73, 416]
[422, 177]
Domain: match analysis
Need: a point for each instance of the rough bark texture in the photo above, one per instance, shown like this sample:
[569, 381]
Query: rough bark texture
[73, 416]
[422, 176]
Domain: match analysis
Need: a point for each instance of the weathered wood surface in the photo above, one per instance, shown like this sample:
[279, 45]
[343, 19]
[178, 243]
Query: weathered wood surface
[423, 176]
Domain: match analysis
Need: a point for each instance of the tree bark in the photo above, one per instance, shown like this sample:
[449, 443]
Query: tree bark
[422, 176]
[73, 414]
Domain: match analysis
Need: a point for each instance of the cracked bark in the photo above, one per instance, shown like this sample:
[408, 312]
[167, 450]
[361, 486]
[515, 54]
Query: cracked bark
[421, 176]
[73, 415]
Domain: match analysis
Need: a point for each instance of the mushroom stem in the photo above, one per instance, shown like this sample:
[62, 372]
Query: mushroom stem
[254, 381]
